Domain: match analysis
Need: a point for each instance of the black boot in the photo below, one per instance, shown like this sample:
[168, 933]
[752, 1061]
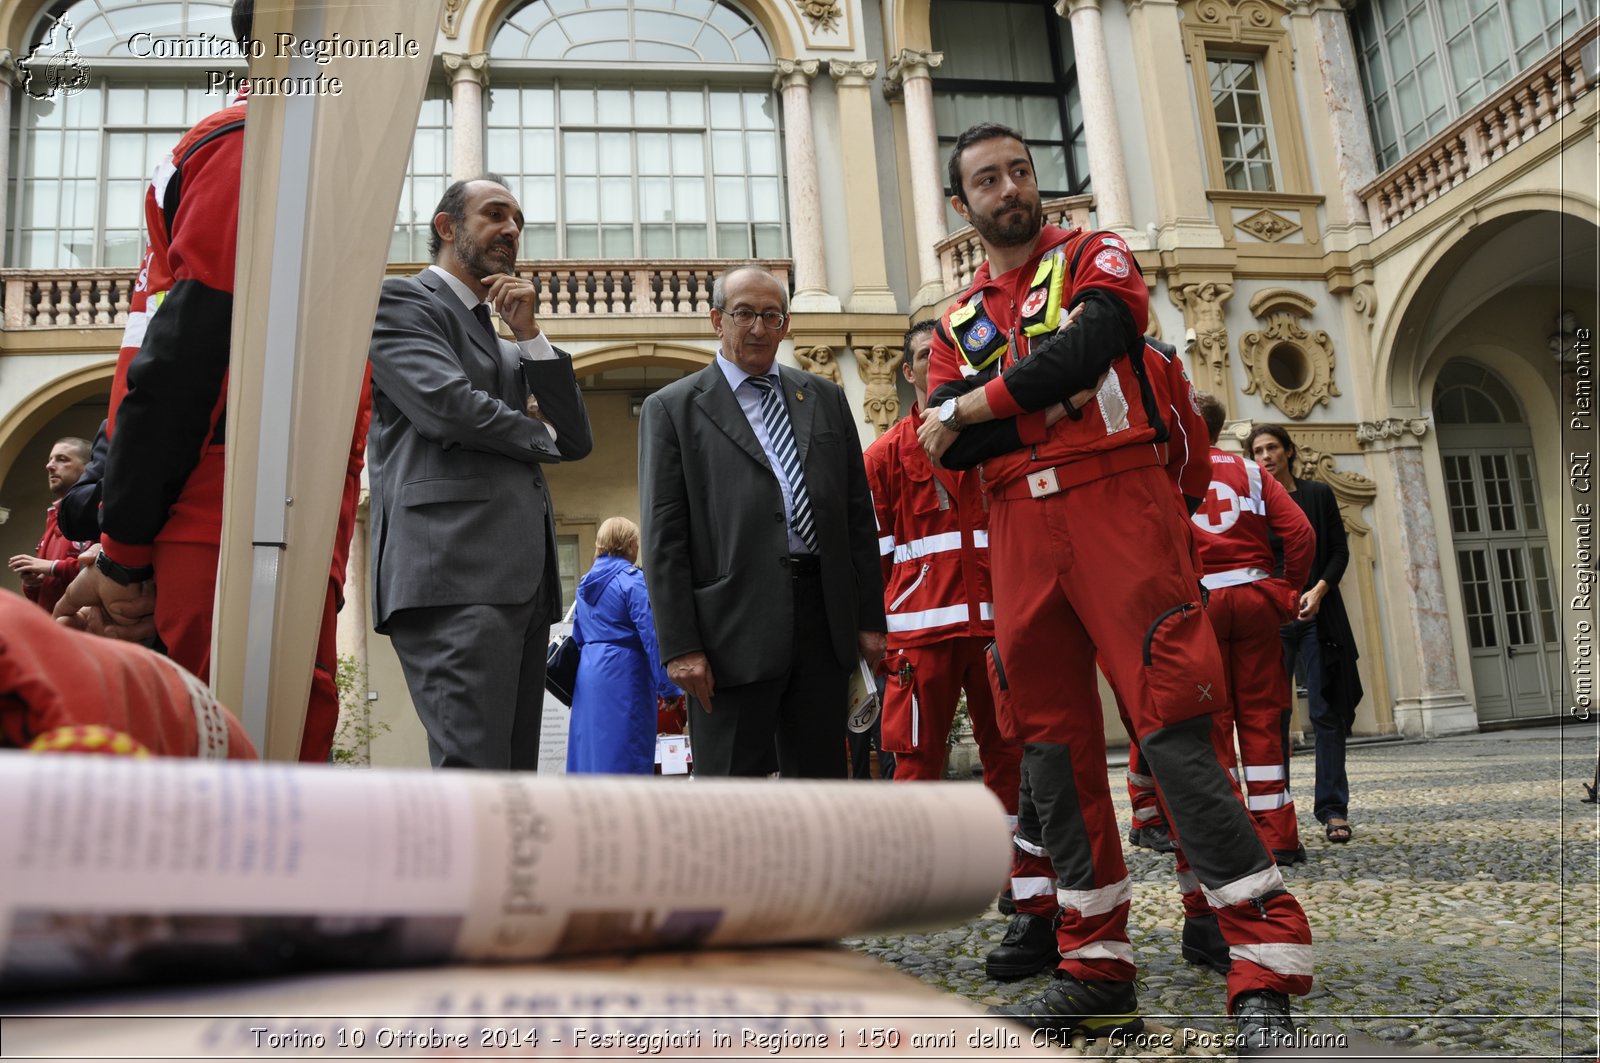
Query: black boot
[1203, 943]
[1094, 1008]
[1007, 904]
[1028, 948]
[1262, 1020]
[1155, 837]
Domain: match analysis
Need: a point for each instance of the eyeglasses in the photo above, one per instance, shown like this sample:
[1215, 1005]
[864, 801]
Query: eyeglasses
[745, 317]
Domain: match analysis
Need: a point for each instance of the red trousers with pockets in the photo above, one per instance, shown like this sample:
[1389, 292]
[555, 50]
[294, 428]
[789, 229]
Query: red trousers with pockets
[1104, 567]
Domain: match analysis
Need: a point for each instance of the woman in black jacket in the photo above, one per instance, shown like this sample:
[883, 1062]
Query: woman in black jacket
[1320, 638]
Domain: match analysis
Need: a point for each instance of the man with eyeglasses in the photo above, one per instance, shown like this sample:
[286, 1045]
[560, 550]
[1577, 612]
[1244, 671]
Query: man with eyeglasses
[760, 549]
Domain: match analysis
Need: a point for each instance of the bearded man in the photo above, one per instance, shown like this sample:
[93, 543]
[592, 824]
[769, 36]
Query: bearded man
[463, 551]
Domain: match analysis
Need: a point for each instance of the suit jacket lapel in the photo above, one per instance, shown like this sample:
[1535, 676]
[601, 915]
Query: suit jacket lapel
[715, 399]
[802, 399]
[469, 324]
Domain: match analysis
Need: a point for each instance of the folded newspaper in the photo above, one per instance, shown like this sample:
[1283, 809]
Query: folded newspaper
[125, 871]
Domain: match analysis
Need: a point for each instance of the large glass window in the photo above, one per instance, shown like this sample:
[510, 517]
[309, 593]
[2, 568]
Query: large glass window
[1424, 63]
[1011, 62]
[1243, 132]
[427, 176]
[82, 159]
[628, 169]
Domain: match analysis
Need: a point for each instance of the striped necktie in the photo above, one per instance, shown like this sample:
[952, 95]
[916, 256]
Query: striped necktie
[781, 436]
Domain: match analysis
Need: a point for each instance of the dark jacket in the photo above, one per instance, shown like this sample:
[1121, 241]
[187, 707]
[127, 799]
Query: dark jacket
[1341, 682]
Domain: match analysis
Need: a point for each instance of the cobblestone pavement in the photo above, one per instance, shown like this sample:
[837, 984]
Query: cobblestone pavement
[1461, 920]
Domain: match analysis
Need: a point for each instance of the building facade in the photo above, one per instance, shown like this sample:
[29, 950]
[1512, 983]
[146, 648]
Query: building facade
[1372, 221]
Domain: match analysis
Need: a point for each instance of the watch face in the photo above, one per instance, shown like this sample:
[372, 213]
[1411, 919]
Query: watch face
[947, 410]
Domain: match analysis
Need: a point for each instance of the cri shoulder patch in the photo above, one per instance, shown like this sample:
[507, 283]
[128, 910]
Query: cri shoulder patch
[1112, 261]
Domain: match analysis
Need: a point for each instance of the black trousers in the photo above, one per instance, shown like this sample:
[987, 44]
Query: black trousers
[794, 724]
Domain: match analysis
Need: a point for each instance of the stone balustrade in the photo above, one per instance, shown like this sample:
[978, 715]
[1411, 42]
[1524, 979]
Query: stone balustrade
[53, 298]
[961, 253]
[1546, 92]
[47, 298]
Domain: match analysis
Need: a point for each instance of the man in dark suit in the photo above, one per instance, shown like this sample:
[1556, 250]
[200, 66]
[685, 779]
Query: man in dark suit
[760, 548]
[463, 539]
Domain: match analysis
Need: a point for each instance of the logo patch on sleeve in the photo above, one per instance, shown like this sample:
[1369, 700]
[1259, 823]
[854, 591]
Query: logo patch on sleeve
[1035, 301]
[1112, 261]
[980, 333]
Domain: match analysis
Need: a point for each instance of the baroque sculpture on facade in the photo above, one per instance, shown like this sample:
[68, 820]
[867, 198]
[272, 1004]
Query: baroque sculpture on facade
[823, 15]
[819, 360]
[1202, 311]
[1289, 366]
[881, 405]
[1353, 490]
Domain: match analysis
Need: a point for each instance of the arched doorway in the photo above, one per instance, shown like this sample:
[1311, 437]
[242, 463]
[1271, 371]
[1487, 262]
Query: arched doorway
[1501, 543]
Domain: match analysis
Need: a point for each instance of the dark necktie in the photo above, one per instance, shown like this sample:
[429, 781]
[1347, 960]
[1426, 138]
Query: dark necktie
[781, 436]
[481, 312]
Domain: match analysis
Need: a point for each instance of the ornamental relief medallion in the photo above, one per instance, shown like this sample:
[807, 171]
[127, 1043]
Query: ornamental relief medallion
[1288, 365]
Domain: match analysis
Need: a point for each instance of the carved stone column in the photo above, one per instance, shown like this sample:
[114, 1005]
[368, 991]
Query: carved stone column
[819, 360]
[8, 77]
[913, 71]
[1107, 167]
[811, 292]
[880, 407]
[869, 272]
[469, 76]
[1432, 702]
[1202, 311]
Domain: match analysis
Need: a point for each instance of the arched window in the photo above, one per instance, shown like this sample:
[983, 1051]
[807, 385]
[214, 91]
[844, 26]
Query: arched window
[85, 148]
[1467, 393]
[661, 162]
[1011, 62]
[427, 175]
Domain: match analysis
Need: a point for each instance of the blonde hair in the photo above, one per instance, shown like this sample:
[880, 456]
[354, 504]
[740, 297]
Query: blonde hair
[618, 536]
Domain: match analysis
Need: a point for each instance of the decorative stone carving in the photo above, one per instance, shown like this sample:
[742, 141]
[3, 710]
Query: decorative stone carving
[1289, 366]
[851, 72]
[474, 67]
[1237, 15]
[881, 405]
[795, 72]
[1364, 297]
[1202, 311]
[819, 360]
[1269, 226]
[450, 20]
[1370, 432]
[1352, 490]
[823, 15]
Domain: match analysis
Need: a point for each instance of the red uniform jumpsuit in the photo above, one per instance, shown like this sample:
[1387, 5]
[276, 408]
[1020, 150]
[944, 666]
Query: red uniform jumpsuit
[57, 548]
[162, 500]
[933, 537]
[1090, 553]
[1254, 589]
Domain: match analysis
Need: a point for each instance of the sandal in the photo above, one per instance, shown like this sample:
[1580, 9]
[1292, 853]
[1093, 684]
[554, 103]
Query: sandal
[1338, 831]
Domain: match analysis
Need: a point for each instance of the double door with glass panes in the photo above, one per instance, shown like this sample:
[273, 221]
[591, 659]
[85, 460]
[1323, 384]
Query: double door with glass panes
[1508, 585]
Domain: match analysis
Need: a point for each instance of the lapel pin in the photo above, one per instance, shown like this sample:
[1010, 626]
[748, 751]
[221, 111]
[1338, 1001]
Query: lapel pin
[799, 396]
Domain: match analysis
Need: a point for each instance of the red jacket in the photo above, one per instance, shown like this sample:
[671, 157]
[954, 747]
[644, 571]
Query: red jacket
[988, 340]
[933, 536]
[53, 546]
[1234, 528]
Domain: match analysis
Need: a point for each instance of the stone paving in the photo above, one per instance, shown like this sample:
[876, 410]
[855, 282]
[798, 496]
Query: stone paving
[1460, 921]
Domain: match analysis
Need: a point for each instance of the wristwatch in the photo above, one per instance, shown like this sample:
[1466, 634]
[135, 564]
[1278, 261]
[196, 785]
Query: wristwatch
[122, 574]
[947, 415]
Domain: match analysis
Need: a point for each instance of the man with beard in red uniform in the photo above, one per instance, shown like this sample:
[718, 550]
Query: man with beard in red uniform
[1090, 554]
[161, 501]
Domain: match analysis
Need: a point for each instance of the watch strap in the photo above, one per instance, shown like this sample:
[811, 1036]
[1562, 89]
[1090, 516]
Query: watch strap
[122, 574]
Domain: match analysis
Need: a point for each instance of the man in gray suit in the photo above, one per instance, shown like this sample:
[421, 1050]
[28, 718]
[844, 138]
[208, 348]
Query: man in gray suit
[760, 547]
[463, 539]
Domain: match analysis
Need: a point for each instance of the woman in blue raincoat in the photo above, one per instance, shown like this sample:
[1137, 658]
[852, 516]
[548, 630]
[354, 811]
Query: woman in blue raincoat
[619, 672]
